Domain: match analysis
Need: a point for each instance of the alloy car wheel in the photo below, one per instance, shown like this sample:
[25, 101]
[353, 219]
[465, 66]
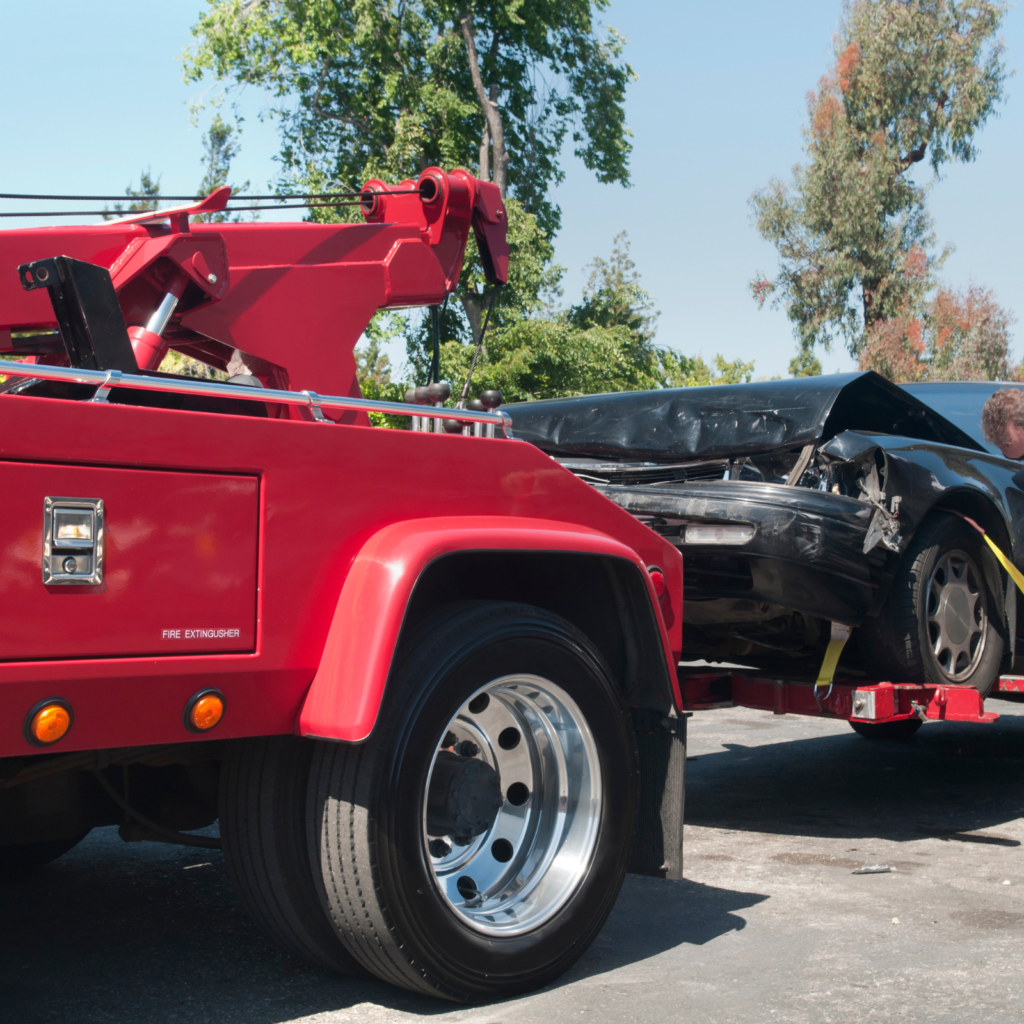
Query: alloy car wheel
[957, 620]
[940, 623]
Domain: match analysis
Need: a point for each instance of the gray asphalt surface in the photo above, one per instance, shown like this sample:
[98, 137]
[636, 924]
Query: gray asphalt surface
[769, 925]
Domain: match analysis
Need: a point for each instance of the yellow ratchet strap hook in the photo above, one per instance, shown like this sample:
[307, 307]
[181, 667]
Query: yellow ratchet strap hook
[837, 641]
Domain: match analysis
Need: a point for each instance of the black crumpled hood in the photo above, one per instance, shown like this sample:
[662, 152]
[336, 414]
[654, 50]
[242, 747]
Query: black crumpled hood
[729, 419]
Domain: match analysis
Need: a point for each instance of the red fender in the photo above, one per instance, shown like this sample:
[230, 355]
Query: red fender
[344, 698]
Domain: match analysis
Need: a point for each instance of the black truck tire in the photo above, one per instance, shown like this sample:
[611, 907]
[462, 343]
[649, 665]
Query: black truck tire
[503, 723]
[943, 620]
[29, 856]
[263, 789]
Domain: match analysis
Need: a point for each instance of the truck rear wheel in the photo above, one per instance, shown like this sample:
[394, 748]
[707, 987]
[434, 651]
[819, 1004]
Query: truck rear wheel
[473, 847]
[264, 782]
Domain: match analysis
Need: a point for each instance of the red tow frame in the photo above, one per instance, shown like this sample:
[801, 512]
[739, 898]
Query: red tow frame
[869, 702]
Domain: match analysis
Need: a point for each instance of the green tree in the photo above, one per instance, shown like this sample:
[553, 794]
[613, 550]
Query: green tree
[145, 197]
[603, 343]
[220, 147]
[385, 88]
[913, 81]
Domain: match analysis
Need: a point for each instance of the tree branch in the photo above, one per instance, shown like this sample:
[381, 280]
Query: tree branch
[488, 105]
[915, 155]
[356, 122]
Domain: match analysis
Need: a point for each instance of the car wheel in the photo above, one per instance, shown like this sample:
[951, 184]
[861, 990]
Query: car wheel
[264, 782]
[942, 622]
[29, 856]
[901, 730]
[473, 847]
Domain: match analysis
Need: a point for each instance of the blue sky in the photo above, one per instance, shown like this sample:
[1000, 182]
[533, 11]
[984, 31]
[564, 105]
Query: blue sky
[93, 93]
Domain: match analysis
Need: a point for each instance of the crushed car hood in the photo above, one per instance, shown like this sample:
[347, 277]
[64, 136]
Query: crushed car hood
[729, 419]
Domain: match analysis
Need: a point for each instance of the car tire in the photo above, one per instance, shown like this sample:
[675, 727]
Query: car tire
[901, 730]
[943, 620]
[29, 856]
[264, 783]
[522, 694]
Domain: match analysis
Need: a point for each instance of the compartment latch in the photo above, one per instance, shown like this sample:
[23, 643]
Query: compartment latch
[73, 541]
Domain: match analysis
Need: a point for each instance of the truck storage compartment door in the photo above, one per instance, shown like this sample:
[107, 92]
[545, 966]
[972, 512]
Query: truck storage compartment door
[175, 555]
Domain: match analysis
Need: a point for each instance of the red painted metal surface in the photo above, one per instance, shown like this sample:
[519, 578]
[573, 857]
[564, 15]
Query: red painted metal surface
[309, 535]
[368, 615]
[892, 701]
[181, 557]
[290, 301]
[325, 491]
[1010, 684]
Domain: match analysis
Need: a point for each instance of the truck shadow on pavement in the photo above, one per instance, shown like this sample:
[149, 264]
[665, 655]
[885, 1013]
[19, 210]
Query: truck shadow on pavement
[952, 781]
[154, 934]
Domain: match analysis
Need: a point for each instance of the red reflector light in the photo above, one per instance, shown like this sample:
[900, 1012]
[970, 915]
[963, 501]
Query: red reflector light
[657, 581]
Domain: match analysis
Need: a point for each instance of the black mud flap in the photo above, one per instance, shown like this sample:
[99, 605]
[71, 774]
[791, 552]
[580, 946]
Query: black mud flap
[658, 841]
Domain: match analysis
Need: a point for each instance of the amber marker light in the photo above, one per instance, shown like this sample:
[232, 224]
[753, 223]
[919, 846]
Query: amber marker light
[48, 722]
[204, 710]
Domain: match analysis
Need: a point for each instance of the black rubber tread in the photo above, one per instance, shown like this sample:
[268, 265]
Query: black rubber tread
[893, 731]
[263, 827]
[891, 644]
[29, 856]
[349, 790]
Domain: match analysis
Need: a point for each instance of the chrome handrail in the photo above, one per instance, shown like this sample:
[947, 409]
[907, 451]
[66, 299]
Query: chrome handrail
[104, 380]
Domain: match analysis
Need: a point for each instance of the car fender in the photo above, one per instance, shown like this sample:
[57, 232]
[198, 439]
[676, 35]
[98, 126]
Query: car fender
[346, 692]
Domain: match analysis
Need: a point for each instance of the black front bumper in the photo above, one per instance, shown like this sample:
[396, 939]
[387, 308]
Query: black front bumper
[807, 552]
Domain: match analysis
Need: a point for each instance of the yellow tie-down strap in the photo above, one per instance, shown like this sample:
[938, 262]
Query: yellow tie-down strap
[1015, 574]
[840, 634]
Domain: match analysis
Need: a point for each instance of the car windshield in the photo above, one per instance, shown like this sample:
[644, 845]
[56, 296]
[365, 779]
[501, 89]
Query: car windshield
[960, 402]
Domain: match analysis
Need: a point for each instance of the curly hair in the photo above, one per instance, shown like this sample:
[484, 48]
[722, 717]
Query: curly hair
[1004, 407]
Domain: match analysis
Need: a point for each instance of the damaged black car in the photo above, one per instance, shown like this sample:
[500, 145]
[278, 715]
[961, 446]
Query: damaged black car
[799, 503]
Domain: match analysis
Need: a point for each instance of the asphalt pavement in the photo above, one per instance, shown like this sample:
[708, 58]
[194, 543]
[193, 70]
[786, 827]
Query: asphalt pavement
[771, 923]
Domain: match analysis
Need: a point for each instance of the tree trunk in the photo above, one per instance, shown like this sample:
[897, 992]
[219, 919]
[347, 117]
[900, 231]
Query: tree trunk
[485, 144]
[489, 105]
[870, 290]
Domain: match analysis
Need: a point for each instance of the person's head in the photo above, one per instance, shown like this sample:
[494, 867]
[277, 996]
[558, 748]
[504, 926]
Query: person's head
[1002, 421]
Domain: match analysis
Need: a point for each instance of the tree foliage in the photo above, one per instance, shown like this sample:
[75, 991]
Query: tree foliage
[960, 336]
[385, 88]
[913, 81]
[144, 198]
[220, 147]
[603, 343]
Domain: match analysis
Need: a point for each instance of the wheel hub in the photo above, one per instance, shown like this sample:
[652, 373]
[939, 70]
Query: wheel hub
[957, 621]
[512, 805]
[464, 796]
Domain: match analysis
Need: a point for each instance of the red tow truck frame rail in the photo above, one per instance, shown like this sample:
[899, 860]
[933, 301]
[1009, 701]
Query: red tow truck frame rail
[865, 703]
[425, 681]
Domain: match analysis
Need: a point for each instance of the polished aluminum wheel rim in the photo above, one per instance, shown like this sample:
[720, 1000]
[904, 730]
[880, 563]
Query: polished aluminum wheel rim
[519, 873]
[957, 623]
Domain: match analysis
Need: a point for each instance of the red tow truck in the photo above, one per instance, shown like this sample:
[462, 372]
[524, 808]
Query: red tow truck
[425, 679]
[407, 670]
